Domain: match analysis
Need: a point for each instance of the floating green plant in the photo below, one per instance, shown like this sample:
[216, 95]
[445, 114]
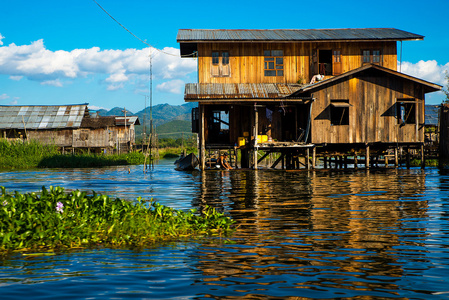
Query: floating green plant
[55, 219]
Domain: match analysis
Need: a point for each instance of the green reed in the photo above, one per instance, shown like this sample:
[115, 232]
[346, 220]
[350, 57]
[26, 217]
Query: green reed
[19, 154]
[57, 220]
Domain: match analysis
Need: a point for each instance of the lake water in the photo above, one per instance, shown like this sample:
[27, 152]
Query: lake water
[301, 234]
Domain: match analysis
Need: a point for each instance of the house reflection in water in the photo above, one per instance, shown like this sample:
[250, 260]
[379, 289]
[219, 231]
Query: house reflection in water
[322, 228]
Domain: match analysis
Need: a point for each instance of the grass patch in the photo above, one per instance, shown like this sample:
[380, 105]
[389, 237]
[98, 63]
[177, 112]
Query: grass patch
[18, 154]
[57, 220]
[32, 154]
[91, 160]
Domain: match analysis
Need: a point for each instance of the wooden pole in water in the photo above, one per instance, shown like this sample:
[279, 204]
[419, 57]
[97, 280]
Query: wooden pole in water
[202, 140]
[408, 158]
[256, 132]
[423, 158]
[367, 156]
[396, 159]
[313, 158]
[307, 158]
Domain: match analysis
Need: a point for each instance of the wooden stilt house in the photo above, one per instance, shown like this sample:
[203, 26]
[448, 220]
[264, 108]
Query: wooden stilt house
[302, 93]
[70, 127]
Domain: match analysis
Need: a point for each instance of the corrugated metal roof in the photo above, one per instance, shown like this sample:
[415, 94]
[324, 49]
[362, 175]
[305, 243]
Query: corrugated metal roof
[129, 120]
[189, 35]
[41, 117]
[211, 91]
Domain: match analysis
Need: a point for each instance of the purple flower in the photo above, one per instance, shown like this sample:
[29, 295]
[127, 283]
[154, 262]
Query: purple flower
[5, 203]
[59, 207]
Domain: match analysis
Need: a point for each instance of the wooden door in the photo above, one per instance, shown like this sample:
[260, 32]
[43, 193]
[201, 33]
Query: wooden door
[336, 62]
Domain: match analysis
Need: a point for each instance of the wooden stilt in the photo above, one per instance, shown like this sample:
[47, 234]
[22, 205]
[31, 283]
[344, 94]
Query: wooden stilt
[423, 158]
[256, 132]
[396, 159]
[307, 158]
[313, 158]
[202, 140]
[356, 161]
[408, 158]
[325, 161]
[367, 157]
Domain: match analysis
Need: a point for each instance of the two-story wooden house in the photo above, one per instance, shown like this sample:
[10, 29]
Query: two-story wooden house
[291, 91]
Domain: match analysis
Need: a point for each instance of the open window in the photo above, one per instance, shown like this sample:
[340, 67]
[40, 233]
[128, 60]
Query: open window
[339, 110]
[406, 111]
[329, 62]
[220, 64]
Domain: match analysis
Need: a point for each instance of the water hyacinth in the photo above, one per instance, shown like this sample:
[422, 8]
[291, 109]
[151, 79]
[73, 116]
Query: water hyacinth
[34, 221]
[60, 207]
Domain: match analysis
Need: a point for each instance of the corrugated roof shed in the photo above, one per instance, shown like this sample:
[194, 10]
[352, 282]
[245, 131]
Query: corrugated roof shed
[238, 91]
[201, 35]
[41, 117]
[98, 122]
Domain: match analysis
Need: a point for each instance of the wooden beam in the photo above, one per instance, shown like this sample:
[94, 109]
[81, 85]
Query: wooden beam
[202, 140]
[367, 157]
[256, 131]
[278, 161]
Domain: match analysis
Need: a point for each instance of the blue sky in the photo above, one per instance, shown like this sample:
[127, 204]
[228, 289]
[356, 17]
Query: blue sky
[70, 52]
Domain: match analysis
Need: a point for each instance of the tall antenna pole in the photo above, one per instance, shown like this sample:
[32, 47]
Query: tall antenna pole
[151, 109]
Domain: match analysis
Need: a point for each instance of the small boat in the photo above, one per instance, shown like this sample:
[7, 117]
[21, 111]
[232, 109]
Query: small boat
[186, 163]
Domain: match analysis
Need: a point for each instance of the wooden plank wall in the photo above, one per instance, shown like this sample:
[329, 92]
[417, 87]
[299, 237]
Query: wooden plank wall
[62, 137]
[372, 114]
[247, 60]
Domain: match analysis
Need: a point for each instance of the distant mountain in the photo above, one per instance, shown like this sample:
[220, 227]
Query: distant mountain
[116, 111]
[162, 114]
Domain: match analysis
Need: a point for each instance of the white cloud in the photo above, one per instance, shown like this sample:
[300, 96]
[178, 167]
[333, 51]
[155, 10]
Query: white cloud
[3, 96]
[55, 82]
[15, 78]
[428, 70]
[1, 38]
[114, 87]
[94, 107]
[173, 86]
[14, 102]
[118, 67]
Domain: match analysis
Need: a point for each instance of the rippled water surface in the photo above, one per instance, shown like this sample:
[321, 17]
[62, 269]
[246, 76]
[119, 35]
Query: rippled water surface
[301, 234]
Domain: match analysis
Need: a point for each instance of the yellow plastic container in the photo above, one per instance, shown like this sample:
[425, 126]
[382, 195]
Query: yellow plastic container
[264, 138]
[241, 141]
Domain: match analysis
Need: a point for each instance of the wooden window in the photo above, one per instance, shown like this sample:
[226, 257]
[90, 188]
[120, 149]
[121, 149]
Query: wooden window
[220, 67]
[366, 56]
[376, 57]
[406, 111]
[339, 112]
[215, 59]
[274, 63]
[371, 57]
